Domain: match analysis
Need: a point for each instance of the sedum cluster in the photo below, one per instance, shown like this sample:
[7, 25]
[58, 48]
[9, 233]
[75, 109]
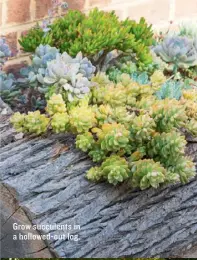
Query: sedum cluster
[128, 132]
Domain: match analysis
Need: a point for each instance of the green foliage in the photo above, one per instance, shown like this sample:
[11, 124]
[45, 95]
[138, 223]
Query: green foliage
[60, 122]
[32, 39]
[85, 141]
[112, 137]
[122, 126]
[82, 118]
[56, 105]
[114, 169]
[147, 173]
[168, 115]
[98, 33]
[33, 122]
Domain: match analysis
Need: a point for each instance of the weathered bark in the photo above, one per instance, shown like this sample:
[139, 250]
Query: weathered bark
[48, 178]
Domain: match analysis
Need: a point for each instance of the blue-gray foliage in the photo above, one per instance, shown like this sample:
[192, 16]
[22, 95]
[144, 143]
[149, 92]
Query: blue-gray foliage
[170, 89]
[180, 51]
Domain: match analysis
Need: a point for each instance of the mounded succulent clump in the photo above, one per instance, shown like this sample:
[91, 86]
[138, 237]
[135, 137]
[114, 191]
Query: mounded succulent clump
[89, 34]
[125, 129]
[127, 105]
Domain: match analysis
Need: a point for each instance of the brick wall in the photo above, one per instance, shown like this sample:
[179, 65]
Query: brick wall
[17, 16]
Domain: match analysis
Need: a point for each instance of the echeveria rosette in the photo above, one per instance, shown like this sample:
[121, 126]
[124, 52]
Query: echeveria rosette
[5, 51]
[44, 54]
[70, 75]
[86, 67]
[78, 88]
[180, 51]
[58, 71]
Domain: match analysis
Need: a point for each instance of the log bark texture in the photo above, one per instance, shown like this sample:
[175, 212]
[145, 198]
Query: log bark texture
[47, 176]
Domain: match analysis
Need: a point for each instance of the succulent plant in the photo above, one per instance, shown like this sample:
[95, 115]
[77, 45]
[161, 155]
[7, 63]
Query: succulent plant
[85, 141]
[112, 137]
[167, 148]
[97, 154]
[142, 127]
[170, 89]
[77, 32]
[188, 29]
[60, 122]
[17, 119]
[157, 79]
[168, 115]
[184, 167]
[8, 89]
[82, 118]
[32, 39]
[5, 51]
[70, 75]
[33, 122]
[115, 169]
[147, 173]
[94, 174]
[178, 50]
[55, 105]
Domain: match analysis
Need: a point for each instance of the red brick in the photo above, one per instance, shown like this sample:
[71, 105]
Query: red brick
[11, 40]
[76, 4]
[42, 7]
[15, 68]
[154, 11]
[18, 11]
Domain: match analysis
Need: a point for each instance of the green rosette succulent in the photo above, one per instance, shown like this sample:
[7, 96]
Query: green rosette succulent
[167, 147]
[55, 105]
[191, 127]
[94, 174]
[97, 154]
[82, 118]
[60, 122]
[115, 95]
[115, 169]
[17, 120]
[122, 116]
[185, 168]
[113, 137]
[157, 79]
[100, 79]
[168, 115]
[103, 114]
[85, 141]
[36, 123]
[142, 128]
[147, 173]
